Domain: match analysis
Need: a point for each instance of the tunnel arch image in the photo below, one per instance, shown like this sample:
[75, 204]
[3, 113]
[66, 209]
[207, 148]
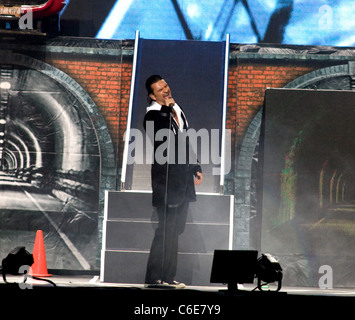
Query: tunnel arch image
[308, 188]
[51, 140]
[249, 205]
[326, 164]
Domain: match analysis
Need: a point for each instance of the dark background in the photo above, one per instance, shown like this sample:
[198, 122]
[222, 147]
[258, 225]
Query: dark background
[196, 83]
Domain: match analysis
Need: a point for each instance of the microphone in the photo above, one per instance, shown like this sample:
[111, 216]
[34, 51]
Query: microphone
[171, 108]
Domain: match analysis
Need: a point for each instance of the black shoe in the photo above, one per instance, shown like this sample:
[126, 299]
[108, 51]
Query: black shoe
[159, 284]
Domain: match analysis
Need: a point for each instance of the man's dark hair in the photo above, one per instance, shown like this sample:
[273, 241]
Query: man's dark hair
[151, 80]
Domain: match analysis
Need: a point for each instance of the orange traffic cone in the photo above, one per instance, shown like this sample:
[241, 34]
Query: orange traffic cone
[39, 266]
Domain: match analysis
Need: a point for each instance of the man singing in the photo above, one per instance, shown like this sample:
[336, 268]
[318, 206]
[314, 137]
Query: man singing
[173, 183]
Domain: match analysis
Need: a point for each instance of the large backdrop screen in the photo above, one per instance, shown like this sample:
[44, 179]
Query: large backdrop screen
[247, 21]
[308, 183]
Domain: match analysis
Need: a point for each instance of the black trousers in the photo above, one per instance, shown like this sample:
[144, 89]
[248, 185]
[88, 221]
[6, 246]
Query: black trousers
[162, 262]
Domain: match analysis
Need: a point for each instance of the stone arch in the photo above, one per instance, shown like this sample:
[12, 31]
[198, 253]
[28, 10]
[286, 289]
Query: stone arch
[340, 77]
[334, 77]
[103, 136]
[105, 145]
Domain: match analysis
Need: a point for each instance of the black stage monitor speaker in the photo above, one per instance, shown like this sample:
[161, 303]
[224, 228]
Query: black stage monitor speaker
[233, 266]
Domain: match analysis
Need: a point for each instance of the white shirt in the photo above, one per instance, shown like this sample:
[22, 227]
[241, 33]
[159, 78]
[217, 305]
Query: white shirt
[156, 106]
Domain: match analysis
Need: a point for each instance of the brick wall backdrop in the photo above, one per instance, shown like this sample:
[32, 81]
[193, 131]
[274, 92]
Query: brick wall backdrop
[106, 76]
[103, 68]
[107, 79]
[248, 80]
[108, 84]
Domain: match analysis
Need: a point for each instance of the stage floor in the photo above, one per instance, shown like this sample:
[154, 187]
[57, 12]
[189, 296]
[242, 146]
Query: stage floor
[90, 281]
[85, 281]
[86, 294]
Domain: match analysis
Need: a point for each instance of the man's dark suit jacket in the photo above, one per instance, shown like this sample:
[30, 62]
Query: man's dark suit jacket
[180, 182]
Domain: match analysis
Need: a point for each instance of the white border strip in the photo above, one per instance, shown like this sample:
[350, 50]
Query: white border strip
[225, 91]
[129, 116]
[231, 222]
[103, 243]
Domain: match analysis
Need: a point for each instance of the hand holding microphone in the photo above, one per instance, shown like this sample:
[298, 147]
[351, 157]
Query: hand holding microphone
[170, 102]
